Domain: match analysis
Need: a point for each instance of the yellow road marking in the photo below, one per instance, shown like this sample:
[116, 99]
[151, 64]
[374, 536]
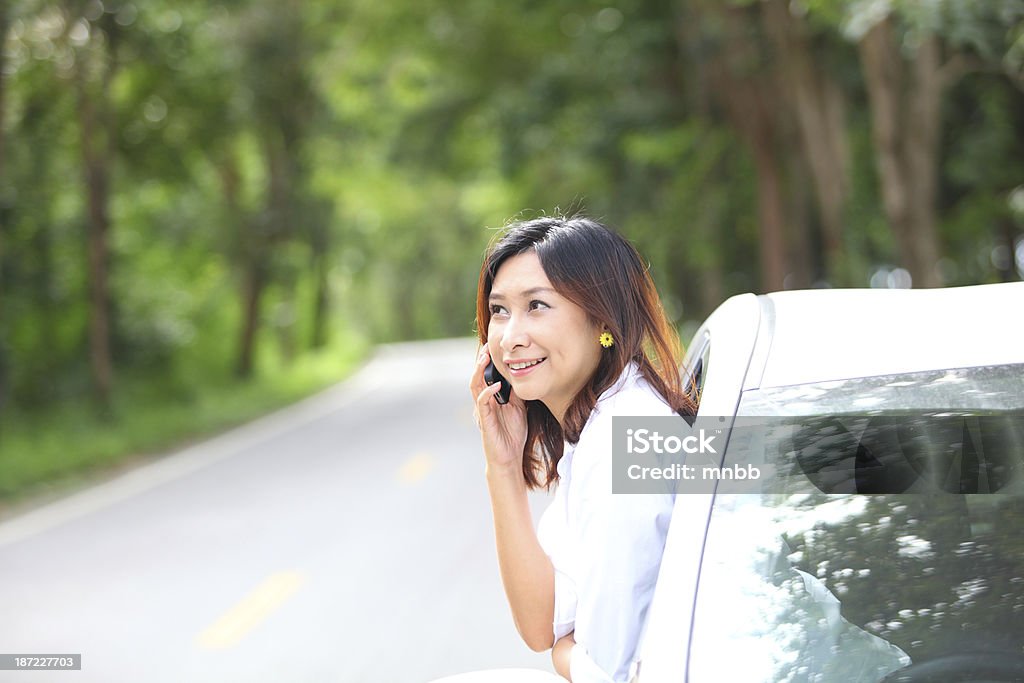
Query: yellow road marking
[416, 468]
[252, 610]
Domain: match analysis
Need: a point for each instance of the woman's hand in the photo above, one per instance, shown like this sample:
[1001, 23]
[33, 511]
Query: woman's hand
[561, 653]
[526, 571]
[502, 427]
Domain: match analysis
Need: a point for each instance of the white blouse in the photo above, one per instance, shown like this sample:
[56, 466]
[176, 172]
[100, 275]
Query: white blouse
[606, 549]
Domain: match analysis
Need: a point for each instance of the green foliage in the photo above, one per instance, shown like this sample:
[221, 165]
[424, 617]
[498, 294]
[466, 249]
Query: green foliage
[67, 445]
[378, 147]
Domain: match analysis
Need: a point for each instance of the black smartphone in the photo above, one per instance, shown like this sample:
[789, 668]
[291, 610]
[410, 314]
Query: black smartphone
[491, 375]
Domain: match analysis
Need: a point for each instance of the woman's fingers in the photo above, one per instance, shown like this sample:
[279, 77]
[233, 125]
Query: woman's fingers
[484, 410]
[477, 382]
[481, 390]
[502, 427]
[488, 415]
[484, 396]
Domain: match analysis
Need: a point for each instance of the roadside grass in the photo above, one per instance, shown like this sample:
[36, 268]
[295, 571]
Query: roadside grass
[45, 455]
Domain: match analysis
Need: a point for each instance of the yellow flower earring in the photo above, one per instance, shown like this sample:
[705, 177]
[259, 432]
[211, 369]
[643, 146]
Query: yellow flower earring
[606, 340]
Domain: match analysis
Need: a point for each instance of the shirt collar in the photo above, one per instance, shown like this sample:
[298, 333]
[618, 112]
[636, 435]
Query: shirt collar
[629, 376]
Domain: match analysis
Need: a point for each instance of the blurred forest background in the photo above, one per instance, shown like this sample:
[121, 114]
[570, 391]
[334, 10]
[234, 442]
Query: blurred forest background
[201, 196]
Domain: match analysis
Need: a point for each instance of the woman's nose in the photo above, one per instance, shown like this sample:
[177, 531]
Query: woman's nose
[514, 334]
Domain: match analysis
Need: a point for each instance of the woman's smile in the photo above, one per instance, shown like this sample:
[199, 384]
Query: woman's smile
[521, 368]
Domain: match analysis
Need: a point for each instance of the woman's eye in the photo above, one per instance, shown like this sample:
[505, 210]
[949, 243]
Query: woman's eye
[535, 304]
[496, 309]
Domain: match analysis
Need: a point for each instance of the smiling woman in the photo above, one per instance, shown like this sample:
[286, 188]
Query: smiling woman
[523, 343]
[568, 313]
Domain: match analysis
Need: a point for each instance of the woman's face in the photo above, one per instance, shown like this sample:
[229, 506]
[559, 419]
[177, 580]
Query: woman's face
[545, 345]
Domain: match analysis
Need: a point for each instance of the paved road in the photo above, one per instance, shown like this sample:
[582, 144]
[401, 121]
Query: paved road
[347, 538]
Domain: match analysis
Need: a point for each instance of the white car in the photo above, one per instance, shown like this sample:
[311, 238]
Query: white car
[861, 559]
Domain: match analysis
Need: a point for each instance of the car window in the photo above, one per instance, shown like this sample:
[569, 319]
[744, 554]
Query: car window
[852, 587]
[696, 367]
[997, 387]
[801, 583]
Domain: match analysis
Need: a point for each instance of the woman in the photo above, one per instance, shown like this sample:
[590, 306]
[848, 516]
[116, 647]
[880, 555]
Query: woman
[568, 313]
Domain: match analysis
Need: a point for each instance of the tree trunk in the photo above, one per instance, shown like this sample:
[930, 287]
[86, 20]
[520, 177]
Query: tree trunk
[97, 191]
[905, 127]
[270, 228]
[254, 281]
[251, 271]
[818, 110]
[1008, 272]
[710, 278]
[804, 262]
[771, 216]
[284, 319]
[746, 96]
[96, 128]
[320, 296]
[922, 150]
[691, 81]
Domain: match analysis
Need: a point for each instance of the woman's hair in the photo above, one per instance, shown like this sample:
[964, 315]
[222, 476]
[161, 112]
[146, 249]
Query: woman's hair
[602, 273]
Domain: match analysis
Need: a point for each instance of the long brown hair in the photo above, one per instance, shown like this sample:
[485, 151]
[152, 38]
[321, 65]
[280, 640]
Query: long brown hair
[602, 273]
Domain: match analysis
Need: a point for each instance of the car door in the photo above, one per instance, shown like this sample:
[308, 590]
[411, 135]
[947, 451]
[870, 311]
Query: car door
[722, 351]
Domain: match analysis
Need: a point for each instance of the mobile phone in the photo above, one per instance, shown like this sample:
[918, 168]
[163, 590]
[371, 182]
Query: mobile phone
[491, 375]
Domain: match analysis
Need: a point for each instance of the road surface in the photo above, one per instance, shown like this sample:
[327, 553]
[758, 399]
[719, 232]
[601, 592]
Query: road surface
[347, 538]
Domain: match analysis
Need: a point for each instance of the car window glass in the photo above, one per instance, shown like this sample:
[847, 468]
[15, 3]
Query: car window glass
[997, 387]
[801, 583]
[696, 367]
[849, 588]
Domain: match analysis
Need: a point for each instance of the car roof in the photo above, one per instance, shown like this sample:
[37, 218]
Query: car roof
[807, 336]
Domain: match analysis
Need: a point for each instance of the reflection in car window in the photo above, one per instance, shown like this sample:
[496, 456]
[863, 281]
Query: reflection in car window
[696, 365]
[847, 588]
[997, 387]
[827, 587]
[761, 616]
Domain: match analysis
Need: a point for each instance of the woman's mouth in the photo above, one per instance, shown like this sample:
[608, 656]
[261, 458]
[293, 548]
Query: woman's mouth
[520, 368]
